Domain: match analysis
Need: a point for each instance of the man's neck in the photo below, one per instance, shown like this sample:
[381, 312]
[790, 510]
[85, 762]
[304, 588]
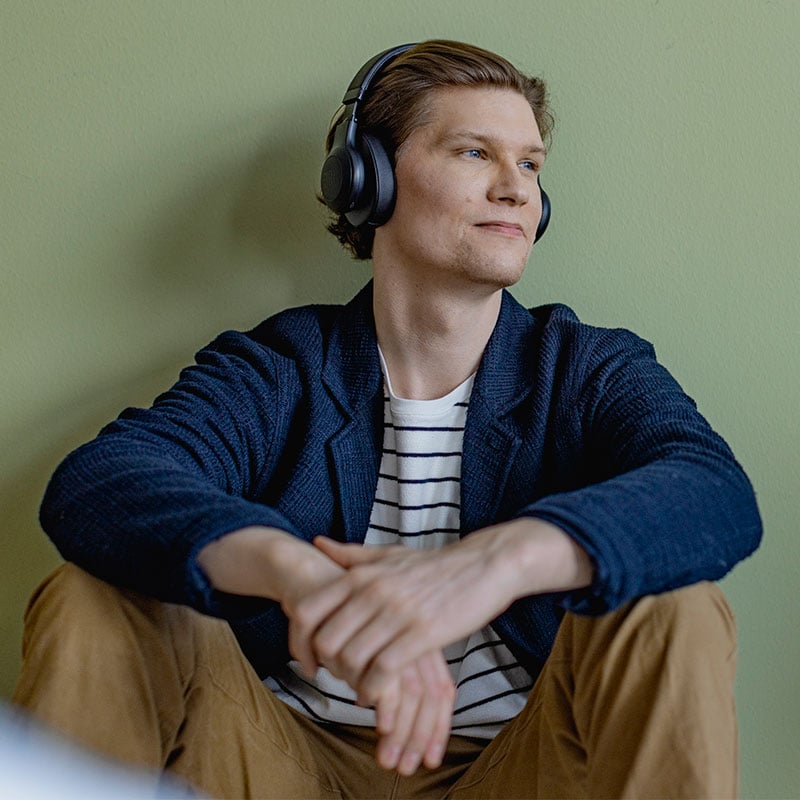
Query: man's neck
[432, 338]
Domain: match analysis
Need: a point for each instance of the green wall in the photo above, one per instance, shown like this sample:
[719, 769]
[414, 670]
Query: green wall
[159, 164]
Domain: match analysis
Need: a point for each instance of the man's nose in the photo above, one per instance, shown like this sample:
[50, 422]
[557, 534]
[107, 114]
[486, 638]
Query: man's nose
[509, 185]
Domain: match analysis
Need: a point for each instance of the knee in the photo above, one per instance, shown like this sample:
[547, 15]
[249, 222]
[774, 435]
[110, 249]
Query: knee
[67, 583]
[72, 610]
[57, 599]
[694, 624]
[65, 613]
[70, 598]
[697, 616]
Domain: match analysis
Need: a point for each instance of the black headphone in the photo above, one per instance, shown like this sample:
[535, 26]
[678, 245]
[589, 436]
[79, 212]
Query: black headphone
[357, 175]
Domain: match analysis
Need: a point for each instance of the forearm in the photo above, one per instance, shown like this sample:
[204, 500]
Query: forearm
[252, 561]
[656, 528]
[532, 556]
[260, 561]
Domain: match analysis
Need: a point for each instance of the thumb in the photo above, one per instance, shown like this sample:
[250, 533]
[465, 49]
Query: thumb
[348, 555]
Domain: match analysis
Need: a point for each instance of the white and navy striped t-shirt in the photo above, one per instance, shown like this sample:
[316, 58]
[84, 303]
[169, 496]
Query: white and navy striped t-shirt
[417, 504]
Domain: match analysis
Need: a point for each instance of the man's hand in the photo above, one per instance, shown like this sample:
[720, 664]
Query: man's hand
[413, 711]
[393, 604]
[414, 716]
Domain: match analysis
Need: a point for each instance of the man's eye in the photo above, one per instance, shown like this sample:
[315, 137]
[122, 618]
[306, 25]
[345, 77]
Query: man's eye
[473, 153]
[530, 165]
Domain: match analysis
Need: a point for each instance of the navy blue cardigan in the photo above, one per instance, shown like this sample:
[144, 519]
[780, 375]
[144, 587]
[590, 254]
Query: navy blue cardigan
[282, 426]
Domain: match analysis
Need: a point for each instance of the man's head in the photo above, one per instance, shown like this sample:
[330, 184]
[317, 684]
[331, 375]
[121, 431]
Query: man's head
[398, 102]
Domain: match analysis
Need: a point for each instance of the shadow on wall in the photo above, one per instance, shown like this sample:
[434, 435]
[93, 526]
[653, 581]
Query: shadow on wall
[278, 215]
[248, 227]
[240, 225]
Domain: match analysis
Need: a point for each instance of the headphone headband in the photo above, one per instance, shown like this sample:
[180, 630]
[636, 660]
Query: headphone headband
[360, 83]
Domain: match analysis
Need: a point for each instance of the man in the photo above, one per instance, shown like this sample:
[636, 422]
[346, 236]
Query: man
[394, 503]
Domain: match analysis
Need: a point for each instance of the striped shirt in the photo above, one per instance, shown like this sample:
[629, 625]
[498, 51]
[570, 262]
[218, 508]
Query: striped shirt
[417, 504]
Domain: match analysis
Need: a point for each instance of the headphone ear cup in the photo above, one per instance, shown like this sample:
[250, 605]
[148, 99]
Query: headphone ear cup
[385, 185]
[376, 203]
[544, 219]
[342, 181]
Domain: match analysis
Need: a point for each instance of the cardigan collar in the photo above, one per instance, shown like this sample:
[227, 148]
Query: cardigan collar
[352, 369]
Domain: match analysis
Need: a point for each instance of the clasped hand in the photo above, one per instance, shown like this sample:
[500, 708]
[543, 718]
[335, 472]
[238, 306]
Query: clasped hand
[379, 617]
[380, 624]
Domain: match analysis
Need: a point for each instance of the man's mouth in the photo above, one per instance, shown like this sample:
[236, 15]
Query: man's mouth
[502, 227]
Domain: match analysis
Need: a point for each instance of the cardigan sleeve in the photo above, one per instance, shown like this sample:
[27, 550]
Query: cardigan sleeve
[135, 505]
[669, 504]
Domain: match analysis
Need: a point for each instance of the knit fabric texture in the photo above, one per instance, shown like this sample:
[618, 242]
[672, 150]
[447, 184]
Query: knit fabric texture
[282, 426]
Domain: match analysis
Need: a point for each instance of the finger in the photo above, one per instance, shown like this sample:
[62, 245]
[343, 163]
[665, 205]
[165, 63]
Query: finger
[392, 745]
[442, 723]
[357, 631]
[395, 656]
[427, 740]
[348, 640]
[386, 709]
[348, 555]
[301, 650]
[306, 617]
[367, 646]
[419, 736]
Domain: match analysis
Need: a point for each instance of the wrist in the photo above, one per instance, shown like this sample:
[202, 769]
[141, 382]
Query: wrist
[248, 561]
[536, 557]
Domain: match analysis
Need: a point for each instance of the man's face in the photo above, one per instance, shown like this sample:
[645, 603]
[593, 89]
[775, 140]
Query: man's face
[468, 202]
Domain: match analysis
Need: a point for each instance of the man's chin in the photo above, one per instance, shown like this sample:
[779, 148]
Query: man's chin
[489, 270]
[503, 276]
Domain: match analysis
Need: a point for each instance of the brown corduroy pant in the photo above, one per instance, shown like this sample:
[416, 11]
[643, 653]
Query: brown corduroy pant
[637, 703]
